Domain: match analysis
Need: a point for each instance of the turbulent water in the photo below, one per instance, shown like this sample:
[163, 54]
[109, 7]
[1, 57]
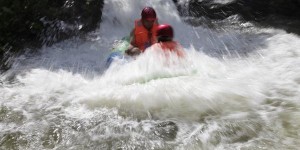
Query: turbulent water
[238, 87]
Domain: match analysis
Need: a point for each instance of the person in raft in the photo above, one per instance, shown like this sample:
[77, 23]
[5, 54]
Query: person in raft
[144, 33]
[165, 42]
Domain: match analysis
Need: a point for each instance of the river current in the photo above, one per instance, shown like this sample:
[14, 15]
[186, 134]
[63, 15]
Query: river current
[238, 87]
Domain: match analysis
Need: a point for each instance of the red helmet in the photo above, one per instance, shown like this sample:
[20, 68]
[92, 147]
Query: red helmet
[148, 13]
[165, 30]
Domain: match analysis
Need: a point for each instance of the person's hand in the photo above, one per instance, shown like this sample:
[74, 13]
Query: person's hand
[132, 52]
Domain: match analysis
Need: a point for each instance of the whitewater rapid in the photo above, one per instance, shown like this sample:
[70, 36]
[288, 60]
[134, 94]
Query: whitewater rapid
[237, 87]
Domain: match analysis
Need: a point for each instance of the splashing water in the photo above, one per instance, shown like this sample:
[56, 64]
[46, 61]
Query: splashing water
[234, 89]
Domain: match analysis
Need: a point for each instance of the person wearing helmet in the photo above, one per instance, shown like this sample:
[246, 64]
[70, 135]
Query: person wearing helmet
[144, 33]
[165, 42]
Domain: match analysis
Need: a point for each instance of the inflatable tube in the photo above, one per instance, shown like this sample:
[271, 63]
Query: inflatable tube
[118, 50]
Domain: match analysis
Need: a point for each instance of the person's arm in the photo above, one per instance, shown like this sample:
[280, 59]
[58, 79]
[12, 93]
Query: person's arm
[132, 49]
[132, 37]
[131, 40]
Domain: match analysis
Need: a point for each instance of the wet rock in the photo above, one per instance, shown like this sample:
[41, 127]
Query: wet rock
[250, 9]
[30, 24]
[282, 14]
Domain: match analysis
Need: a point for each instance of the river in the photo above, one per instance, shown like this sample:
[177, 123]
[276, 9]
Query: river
[237, 88]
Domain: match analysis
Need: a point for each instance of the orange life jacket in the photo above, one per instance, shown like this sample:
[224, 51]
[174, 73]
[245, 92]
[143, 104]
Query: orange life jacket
[144, 38]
